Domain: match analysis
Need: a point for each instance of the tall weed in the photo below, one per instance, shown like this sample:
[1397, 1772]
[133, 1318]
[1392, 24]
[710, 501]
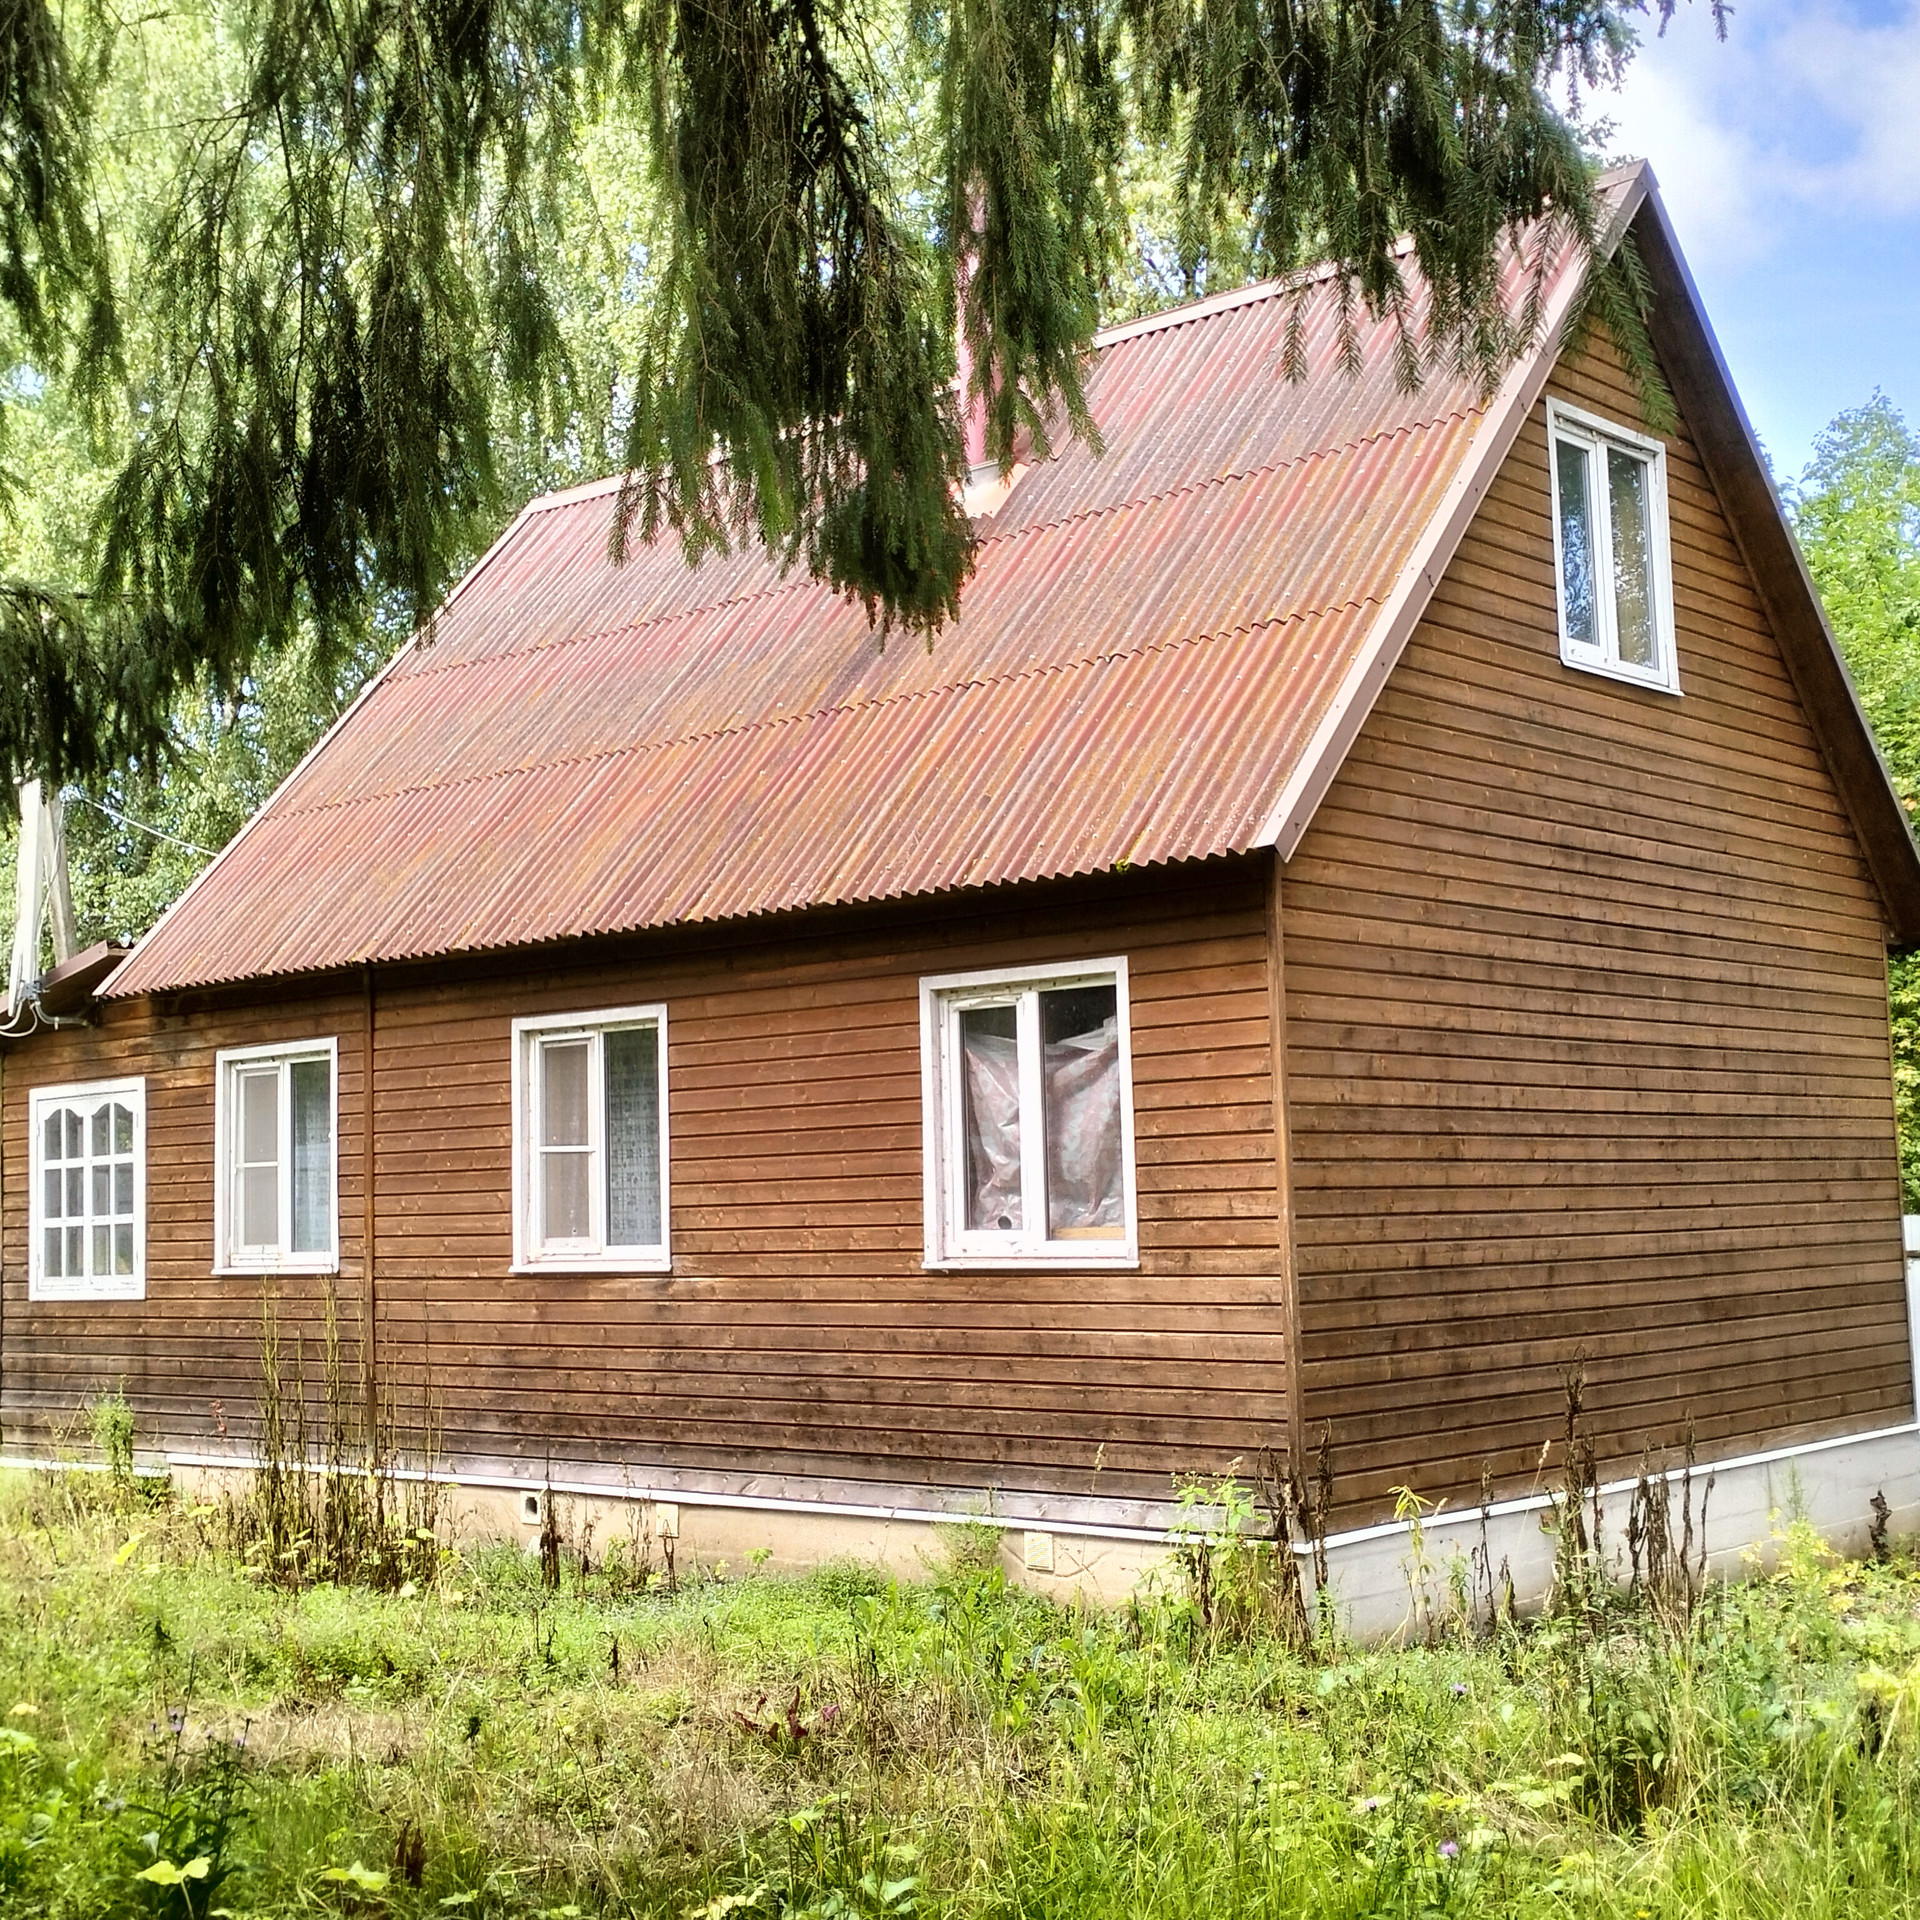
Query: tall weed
[347, 1505]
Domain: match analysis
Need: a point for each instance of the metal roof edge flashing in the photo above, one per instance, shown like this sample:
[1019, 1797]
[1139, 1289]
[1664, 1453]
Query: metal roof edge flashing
[1209, 304]
[1190, 310]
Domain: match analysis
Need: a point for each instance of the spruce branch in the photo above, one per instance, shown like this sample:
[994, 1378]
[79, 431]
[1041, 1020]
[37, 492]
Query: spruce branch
[349, 291]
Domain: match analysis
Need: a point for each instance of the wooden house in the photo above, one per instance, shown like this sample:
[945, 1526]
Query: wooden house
[1380, 903]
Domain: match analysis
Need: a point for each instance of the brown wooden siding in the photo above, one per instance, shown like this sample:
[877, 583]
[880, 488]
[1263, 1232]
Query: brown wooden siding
[797, 1343]
[1587, 1063]
[1587, 1047]
[187, 1355]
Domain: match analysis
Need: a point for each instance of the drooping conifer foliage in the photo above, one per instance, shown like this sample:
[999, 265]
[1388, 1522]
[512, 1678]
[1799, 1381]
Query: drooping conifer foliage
[49, 250]
[351, 277]
[794, 329]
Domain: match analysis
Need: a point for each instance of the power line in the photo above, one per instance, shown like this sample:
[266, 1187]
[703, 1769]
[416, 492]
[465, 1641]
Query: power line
[142, 826]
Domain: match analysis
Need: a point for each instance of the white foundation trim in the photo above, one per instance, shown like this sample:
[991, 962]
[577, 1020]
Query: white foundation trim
[1702, 1470]
[675, 1496]
[1735, 1507]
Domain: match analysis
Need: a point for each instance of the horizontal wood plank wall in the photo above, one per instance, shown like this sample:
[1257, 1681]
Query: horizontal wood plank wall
[188, 1355]
[797, 1342]
[1587, 1037]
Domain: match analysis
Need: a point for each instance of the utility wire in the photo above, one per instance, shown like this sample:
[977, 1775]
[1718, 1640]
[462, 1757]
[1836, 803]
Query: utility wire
[127, 820]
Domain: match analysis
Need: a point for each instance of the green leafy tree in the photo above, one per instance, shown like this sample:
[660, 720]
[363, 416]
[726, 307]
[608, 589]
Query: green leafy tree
[1857, 512]
[333, 323]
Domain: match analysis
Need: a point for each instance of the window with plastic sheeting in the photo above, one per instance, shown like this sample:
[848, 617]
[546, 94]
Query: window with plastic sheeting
[1612, 566]
[590, 1141]
[1027, 1078]
[277, 1197]
[88, 1195]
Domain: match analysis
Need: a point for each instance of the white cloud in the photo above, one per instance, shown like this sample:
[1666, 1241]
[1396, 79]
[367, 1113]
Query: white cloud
[1709, 166]
[1802, 110]
[1866, 80]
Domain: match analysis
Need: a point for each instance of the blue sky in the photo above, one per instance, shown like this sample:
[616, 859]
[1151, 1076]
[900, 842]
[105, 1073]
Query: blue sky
[1789, 158]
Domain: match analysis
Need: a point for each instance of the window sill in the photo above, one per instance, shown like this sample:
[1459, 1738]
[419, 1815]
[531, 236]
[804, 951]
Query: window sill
[596, 1263]
[1625, 676]
[258, 1269]
[54, 1294]
[1074, 1260]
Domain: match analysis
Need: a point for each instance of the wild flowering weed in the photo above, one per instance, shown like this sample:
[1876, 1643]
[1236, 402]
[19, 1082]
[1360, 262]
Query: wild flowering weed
[182, 1841]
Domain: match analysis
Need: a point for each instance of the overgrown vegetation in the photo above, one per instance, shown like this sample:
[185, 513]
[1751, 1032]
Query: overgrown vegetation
[183, 1734]
[301, 271]
[338, 1495]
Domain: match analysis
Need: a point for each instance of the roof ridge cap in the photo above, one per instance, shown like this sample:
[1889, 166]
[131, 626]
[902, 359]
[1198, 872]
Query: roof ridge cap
[574, 494]
[1209, 304]
[1205, 307]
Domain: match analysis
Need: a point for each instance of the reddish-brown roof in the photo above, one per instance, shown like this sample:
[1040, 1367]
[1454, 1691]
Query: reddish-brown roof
[1160, 649]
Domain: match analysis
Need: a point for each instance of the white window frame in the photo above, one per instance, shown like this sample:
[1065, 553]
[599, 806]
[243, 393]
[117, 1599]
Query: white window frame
[115, 1286]
[943, 997]
[1590, 431]
[595, 1257]
[228, 1258]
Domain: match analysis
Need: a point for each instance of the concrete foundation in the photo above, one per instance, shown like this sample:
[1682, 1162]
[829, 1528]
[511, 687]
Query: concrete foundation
[1737, 1506]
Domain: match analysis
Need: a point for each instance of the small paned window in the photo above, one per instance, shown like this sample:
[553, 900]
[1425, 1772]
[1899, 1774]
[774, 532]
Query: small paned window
[590, 1141]
[88, 1204]
[276, 1209]
[1614, 571]
[1028, 1103]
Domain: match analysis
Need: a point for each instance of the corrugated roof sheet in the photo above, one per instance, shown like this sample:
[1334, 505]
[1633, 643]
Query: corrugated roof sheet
[1147, 646]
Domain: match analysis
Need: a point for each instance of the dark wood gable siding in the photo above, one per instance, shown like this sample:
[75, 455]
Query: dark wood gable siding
[1587, 1036]
[798, 1344]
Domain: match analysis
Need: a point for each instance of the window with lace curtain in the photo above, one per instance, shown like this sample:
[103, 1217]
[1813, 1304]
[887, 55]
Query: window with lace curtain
[1028, 1115]
[590, 1141]
[275, 1191]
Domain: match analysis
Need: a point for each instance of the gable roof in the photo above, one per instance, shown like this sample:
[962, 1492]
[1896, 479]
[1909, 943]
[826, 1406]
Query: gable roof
[1164, 654]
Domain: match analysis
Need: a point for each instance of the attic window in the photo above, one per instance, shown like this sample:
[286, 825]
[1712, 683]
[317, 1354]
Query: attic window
[87, 1238]
[1613, 570]
[590, 1142]
[1028, 1102]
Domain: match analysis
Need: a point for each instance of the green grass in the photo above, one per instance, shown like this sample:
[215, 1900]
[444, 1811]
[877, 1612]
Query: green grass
[846, 1744]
